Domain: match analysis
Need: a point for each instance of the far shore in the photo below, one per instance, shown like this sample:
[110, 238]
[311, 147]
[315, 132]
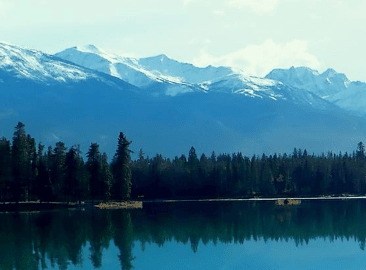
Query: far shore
[35, 206]
[260, 199]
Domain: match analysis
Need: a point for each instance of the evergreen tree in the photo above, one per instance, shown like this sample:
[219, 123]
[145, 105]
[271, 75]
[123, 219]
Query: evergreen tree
[93, 165]
[5, 169]
[58, 170]
[106, 177]
[20, 163]
[43, 187]
[360, 152]
[140, 174]
[121, 169]
[32, 169]
[194, 180]
[204, 169]
[73, 175]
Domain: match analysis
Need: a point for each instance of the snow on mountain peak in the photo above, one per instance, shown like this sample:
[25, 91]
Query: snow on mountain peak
[89, 48]
[161, 57]
[35, 65]
[329, 72]
[304, 71]
[180, 77]
[330, 85]
[335, 77]
[324, 85]
[144, 72]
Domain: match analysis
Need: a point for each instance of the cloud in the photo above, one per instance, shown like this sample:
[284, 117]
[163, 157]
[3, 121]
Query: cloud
[260, 59]
[257, 6]
[201, 42]
[219, 13]
[5, 7]
[187, 2]
[43, 3]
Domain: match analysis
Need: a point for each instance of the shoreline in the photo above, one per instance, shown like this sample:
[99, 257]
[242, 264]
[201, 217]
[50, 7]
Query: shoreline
[258, 199]
[34, 206]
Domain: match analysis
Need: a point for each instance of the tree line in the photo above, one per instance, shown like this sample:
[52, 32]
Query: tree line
[29, 172]
[238, 176]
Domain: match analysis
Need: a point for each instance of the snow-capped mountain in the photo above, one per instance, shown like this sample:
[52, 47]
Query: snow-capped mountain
[175, 77]
[324, 84]
[142, 72]
[330, 85]
[164, 107]
[35, 65]
[255, 87]
[123, 68]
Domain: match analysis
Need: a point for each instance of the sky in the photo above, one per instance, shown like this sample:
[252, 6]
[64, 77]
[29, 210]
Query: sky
[253, 35]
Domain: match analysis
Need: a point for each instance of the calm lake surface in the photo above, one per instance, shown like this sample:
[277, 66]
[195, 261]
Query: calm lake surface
[322, 234]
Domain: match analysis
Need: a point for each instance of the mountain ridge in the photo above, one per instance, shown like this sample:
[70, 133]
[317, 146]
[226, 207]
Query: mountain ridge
[330, 85]
[181, 77]
[227, 113]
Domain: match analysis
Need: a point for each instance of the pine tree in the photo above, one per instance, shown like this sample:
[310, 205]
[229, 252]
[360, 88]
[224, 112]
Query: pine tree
[58, 170]
[43, 188]
[360, 170]
[5, 169]
[121, 169]
[360, 152]
[140, 175]
[93, 165]
[193, 184]
[106, 177]
[20, 163]
[32, 167]
[73, 174]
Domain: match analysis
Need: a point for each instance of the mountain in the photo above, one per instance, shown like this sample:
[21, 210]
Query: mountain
[129, 69]
[177, 106]
[55, 99]
[142, 72]
[161, 72]
[330, 85]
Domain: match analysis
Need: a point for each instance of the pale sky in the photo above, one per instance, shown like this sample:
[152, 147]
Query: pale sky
[254, 35]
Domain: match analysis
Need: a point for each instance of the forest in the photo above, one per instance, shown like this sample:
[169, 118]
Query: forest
[30, 172]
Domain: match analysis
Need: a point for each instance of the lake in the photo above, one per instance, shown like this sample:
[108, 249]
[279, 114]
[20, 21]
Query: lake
[321, 234]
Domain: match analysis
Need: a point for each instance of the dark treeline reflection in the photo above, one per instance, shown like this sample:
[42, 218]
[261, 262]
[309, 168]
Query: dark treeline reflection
[38, 240]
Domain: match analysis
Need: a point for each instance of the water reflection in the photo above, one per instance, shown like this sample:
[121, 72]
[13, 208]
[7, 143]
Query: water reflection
[58, 239]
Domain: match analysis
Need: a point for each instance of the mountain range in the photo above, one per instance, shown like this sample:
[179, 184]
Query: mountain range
[85, 94]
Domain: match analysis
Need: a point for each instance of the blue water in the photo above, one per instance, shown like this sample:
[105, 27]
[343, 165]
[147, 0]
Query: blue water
[317, 254]
[232, 235]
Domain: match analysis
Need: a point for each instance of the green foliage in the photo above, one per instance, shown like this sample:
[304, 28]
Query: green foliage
[43, 187]
[58, 171]
[106, 178]
[58, 174]
[22, 148]
[299, 174]
[6, 175]
[93, 165]
[121, 169]
[74, 175]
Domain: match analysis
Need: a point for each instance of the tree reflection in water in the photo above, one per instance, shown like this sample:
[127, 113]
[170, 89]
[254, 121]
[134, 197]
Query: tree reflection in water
[35, 240]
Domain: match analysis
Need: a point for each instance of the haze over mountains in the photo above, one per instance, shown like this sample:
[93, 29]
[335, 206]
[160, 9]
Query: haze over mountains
[84, 94]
